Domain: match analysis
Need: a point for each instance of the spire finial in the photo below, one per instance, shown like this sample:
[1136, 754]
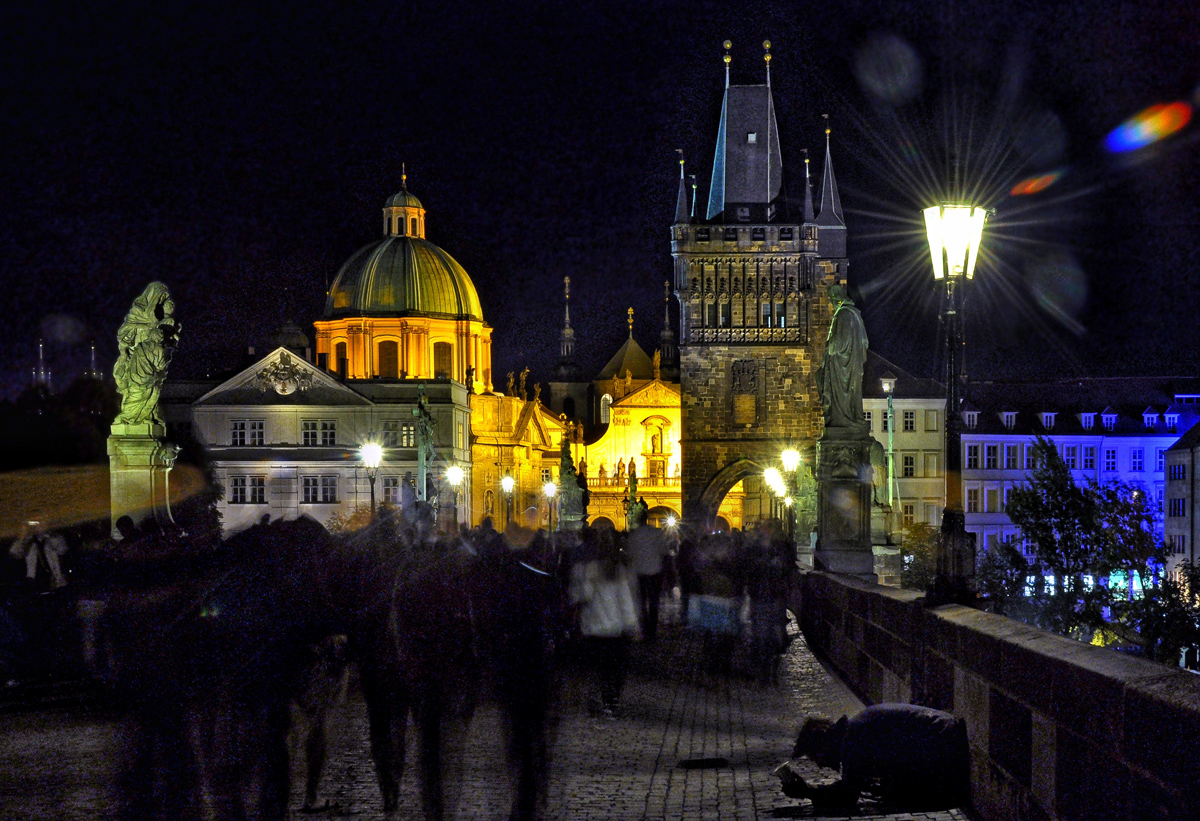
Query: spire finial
[630, 312]
[403, 177]
[826, 117]
[767, 59]
[679, 151]
[693, 179]
[667, 304]
[728, 45]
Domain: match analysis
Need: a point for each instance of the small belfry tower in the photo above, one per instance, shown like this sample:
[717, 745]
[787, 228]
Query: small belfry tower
[752, 285]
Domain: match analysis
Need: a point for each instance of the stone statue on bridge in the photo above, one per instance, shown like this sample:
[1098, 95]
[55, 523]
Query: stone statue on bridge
[146, 340]
[839, 379]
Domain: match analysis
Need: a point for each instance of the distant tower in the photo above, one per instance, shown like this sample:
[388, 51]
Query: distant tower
[568, 394]
[568, 370]
[753, 311]
[666, 343]
[93, 371]
[41, 374]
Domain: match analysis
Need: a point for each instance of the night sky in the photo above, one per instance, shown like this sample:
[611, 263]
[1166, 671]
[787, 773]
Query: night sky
[241, 152]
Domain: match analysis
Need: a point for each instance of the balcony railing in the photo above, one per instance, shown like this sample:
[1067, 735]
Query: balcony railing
[643, 481]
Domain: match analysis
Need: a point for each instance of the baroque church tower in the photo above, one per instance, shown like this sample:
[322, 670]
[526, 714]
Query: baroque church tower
[752, 285]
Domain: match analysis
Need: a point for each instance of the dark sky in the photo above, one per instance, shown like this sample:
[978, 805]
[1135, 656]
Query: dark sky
[241, 152]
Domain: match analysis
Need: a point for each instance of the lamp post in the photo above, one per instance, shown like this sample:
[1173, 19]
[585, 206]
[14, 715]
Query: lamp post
[550, 489]
[954, 233]
[506, 484]
[888, 380]
[791, 463]
[454, 475]
[372, 455]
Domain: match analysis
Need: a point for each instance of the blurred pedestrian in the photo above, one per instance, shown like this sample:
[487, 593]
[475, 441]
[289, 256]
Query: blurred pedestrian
[604, 586]
[647, 547]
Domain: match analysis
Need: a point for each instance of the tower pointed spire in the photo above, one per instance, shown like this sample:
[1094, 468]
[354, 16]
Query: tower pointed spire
[670, 351]
[94, 372]
[567, 369]
[831, 203]
[809, 215]
[681, 202]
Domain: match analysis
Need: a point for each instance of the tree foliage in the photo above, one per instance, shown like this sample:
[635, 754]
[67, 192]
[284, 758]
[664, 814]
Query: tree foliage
[1098, 547]
[918, 556]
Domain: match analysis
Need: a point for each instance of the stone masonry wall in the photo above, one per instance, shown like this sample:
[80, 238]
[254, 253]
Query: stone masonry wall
[1058, 729]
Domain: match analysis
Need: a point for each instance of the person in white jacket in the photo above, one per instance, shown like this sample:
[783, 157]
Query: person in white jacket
[602, 585]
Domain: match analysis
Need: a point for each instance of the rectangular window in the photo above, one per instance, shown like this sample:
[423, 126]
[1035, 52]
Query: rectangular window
[1160, 459]
[1089, 457]
[237, 490]
[971, 418]
[1088, 420]
[991, 456]
[909, 514]
[910, 466]
[1176, 507]
[257, 431]
[910, 420]
[257, 489]
[972, 500]
[237, 432]
[972, 457]
[1178, 472]
[1071, 456]
[545, 476]
[991, 503]
[868, 418]
[408, 435]
[1007, 495]
[1009, 418]
[391, 490]
[1030, 457]
[318, 490]
[308, 431]
[328, 432]
[1158, 500]
[391, 433]
[1010, 457]
[1110, 459]
[462, 435]
[931, 420]
[884, 421]
[1137, 460]
[726, 314]
[712, 315]
[780, 316]
[766, 315]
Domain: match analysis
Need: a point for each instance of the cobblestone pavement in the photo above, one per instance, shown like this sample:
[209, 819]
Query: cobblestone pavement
[59, 764]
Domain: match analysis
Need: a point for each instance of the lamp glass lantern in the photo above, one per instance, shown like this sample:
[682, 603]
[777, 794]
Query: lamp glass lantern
[954, 233]
[372, 455]
[790, 459]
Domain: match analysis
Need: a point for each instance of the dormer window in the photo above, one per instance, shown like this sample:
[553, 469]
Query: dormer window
[1172, 422]
[752, 137]
[1088, 420]
[971, 418]
[1009, 418]
[1150, 420]
[1109, 420]
[1048, 420]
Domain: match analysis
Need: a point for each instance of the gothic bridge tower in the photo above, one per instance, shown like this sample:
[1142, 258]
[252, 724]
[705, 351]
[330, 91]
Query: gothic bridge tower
[752, 286]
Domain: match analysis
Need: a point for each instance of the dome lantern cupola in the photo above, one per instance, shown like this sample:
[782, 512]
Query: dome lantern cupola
[403, 214]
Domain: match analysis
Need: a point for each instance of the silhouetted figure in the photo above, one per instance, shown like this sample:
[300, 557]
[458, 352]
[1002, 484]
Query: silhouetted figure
[906, 755]
[603, 587]
[647, 547]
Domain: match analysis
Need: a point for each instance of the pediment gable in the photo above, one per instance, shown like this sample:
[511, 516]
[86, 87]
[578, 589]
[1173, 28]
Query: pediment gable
[282, 378]
[655, 394]
[536, 426]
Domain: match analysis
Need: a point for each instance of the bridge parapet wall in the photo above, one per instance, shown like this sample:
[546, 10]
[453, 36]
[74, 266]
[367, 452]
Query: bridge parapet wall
[1058, 729]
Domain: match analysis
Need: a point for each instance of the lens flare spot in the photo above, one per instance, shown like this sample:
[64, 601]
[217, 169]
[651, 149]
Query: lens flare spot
[1034, 185]
[889, 69]
[1149, 126]
[1059, 286]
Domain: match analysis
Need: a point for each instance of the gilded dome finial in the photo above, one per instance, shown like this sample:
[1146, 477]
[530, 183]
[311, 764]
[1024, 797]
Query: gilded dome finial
[403, 177]
[630, 323]
[826, 117]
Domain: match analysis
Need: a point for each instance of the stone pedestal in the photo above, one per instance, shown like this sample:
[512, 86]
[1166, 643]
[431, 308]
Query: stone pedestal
[844, 494]
[139, 461]
[572, 515]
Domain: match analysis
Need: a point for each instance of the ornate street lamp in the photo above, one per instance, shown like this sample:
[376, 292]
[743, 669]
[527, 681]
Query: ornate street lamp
[888, 380]
[550, 489]
[506, 484]
[954, 233]
[454, 475]
[372, 455]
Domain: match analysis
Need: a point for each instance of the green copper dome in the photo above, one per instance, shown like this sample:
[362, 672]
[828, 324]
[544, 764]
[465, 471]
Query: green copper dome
[403, 275]
[403, 199]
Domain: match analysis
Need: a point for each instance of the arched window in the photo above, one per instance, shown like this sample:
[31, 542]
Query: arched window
[443, 355]
[389, 359]
[339, 358]
[605, 402]
[414, 227]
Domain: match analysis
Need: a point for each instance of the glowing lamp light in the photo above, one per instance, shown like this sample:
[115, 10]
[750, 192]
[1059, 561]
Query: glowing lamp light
[772, 477]
[790, 459]
[506, 484]
[549, 489]
[671, 521]
[1148, 126]
[954, 234]
[454, 475]
[787, 501]
[372, 455]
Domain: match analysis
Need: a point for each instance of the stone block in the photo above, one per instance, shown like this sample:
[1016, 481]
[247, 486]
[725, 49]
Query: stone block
[1089, 784]
[1010, 735]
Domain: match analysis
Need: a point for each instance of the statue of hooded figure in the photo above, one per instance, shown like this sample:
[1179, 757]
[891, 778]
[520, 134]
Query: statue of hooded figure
[839, 379]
